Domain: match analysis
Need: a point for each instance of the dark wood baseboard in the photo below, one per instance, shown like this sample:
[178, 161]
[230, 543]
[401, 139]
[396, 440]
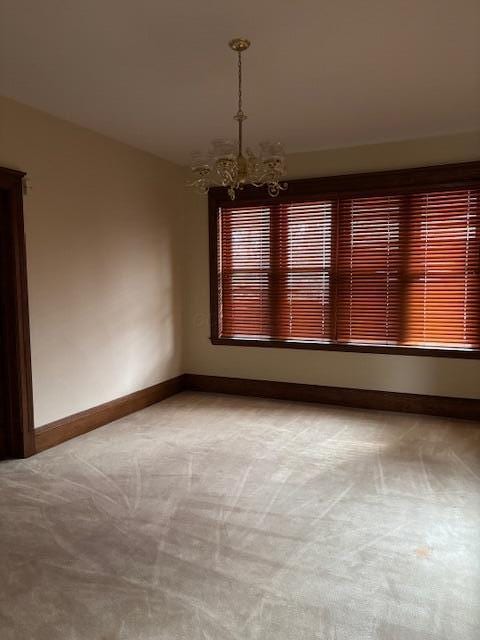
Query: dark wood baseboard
[359, 398]
[85, 421]
[79, 423]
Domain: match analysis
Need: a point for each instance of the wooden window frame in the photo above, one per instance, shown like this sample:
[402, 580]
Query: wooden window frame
[403, 181]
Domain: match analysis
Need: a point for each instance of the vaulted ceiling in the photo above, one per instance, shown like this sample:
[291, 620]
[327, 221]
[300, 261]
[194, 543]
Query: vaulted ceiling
[158, 74]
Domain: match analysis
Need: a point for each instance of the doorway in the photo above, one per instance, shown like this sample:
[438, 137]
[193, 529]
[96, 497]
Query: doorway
[16, 405]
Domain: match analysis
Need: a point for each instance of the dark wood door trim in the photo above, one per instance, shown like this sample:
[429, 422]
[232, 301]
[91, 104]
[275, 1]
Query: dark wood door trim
[17, 392]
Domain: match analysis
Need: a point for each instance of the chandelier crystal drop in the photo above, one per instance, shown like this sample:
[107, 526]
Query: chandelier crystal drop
[226, 165]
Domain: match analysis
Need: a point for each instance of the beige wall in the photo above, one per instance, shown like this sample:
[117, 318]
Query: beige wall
[412, 374]
[102, 223]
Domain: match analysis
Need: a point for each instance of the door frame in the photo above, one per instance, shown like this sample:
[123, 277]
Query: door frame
[17, 394]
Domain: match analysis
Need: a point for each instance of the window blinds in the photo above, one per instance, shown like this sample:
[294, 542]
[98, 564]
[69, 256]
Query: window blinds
[274, 268]
[245, 247]
[369, 262]
[390, 269]
[443, 282]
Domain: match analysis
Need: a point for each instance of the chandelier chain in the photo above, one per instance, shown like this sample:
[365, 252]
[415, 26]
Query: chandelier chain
[239, 82]
[240, 114]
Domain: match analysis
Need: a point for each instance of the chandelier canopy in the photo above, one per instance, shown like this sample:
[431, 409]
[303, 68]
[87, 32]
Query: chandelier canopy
[225, 165]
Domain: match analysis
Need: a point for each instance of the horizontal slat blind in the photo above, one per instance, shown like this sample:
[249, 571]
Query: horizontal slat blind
[244, 268]
[368, 270]
[395, 269]
[443, 296]
[274, 269]
[302, 271]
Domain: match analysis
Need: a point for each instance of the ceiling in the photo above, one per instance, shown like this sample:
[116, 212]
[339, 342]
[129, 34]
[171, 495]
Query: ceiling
[158, 75]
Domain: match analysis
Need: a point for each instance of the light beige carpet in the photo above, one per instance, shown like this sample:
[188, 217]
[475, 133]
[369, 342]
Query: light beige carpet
[220, 518]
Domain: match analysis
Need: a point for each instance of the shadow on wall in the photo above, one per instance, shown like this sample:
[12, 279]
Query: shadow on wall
[119, 317]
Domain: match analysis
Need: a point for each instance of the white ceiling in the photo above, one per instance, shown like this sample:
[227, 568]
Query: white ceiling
[157, 74]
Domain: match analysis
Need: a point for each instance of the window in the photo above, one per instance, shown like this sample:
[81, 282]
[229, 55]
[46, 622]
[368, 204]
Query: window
[368, 270]
[275, 271]
[379, 262]
[443, 265]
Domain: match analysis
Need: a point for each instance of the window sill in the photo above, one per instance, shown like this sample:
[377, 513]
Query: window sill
[442, 352]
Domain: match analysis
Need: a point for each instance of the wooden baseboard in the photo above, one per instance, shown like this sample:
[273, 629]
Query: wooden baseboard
[359, 398]
[66, 428]
[85, 421]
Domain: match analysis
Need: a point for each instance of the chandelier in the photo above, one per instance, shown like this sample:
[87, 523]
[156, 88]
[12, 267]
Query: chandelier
[226, 165]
